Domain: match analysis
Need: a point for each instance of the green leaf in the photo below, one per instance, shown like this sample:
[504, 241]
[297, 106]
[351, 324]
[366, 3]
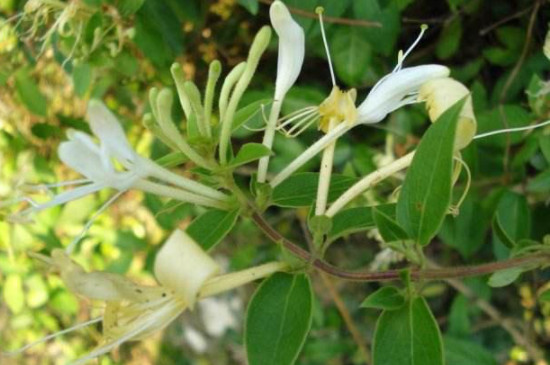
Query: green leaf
[246, 113]
[250, 5]
[248, 153]
[352, 54]
[545, 296]
[158, 33]
[504, 277]
[540, 183]
[82, 76]
[211, 227]
[505, 116]
[300, 190]
[278, 320]
[466, 232]
[408, 335]
[466, 352]
[512, 221]
[129, 7]
[357, 219]
[387, 298]
[381, 39]
[30, 95]
[13, 293]
[388, 227]
[449, 39]
[426, 192]
[501, 234]
[45, 130]
[459, 319]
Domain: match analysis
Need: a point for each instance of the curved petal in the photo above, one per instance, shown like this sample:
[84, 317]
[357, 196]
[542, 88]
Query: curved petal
[107, 128]
[83, 159]
[291, 48]
[440, 95]
[395, 90]
[183, 266]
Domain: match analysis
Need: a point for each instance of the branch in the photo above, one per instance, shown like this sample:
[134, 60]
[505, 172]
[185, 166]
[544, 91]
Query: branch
[391, 275]
[329, 19]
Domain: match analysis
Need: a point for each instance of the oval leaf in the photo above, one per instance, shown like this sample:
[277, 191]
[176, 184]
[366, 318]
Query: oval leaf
[409, 335]
[388, 297]
[278, 320]
[426, 192]
[211, 227]
[248, 153]
[300, 190]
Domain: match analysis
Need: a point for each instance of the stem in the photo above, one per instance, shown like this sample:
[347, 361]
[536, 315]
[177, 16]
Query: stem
[494, 314]
[325, 173]
[346, 316]
[230, 281]
[369, 181]
[269, 135]
[178, 194]
[395, 275]
[308, 154]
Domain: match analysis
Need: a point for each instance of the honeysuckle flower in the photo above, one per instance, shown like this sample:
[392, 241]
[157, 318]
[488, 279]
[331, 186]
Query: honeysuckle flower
[96, 163]
[391, 92]
[184, 272]
[440, 95]
[291, 48]
[289, 64]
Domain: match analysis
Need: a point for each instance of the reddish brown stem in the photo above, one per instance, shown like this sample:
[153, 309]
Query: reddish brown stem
[390, 275]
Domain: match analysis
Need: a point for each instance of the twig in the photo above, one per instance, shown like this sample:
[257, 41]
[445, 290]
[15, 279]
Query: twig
[494, 314]
[505, 20]
[346, 316]
[392, 275]
[330, 19]
[521, 59]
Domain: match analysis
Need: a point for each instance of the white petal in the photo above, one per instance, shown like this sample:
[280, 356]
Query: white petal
[291, 48]
[70, 195]
[107, 128]
[183, 266]
[388, 94]
[81, 158]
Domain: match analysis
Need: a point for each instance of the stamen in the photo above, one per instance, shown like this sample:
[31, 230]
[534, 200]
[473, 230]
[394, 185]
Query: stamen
[53, 335]
[319, 10]
[507, 130]
[401, 57]
[290, 119]
[306, 122]
[105, 205]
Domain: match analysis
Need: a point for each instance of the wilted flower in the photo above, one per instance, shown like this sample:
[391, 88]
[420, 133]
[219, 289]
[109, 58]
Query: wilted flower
[440, 95]
[132, 312]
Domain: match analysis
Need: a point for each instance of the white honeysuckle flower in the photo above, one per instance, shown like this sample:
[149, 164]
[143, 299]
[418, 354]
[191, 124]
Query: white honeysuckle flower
[291, 48]
[185, 274]
[132, 311]
[96, 163]
[397, 89]
[394, 90]
[289, 65]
